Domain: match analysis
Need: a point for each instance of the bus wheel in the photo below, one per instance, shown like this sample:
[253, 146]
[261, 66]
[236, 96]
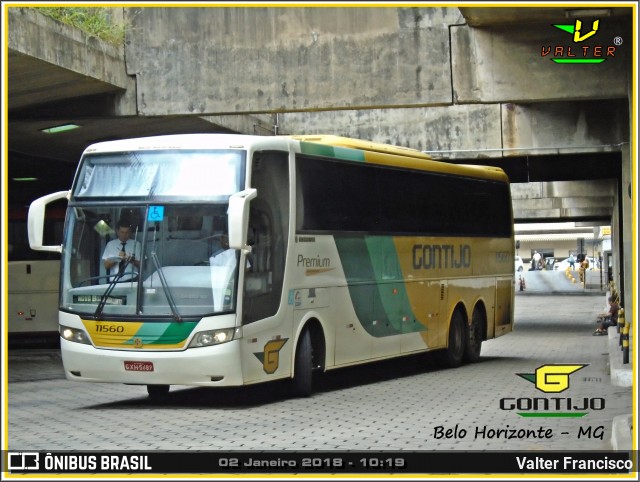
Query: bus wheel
[157, 392]
[454, 353]
[303, 368]
[473, 343]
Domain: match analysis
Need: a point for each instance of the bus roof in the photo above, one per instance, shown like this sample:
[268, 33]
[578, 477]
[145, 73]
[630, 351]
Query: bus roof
[373, 152]
[363, 145]
[405, 157]
[187, 141]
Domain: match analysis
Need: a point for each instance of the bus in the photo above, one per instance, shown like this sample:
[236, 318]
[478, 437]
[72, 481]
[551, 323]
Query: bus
[344, 252]
[33, 279]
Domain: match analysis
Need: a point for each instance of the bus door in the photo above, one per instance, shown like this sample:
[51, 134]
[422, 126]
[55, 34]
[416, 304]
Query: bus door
[267, 322]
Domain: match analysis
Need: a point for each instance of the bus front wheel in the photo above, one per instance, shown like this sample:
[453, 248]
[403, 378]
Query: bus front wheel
[454, 353]
[303, 367]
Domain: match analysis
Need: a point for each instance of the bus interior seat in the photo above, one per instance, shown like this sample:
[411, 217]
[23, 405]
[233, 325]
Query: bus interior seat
[184, 252]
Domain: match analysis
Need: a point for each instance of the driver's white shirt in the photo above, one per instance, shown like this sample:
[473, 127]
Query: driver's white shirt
[113, 248]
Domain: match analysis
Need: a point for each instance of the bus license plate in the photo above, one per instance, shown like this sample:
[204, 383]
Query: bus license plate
[138, 366]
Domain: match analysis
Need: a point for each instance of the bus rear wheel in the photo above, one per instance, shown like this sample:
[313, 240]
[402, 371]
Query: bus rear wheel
[474, 337]
[302, 383]
[453, 355]
[157, 392]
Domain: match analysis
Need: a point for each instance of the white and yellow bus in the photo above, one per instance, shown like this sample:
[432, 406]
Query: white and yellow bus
[349, 252]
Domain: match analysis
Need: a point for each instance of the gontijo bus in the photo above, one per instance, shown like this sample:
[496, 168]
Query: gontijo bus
[345, 252]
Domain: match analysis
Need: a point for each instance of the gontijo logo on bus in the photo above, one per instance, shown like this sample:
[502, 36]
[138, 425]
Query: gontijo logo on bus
[579, 53]
[270, 356]
[437, 256]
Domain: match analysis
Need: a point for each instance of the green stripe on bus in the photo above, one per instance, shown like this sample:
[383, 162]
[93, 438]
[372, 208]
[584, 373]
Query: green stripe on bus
[378, 295]
[321, 150]
[391, 287]
[163, 333]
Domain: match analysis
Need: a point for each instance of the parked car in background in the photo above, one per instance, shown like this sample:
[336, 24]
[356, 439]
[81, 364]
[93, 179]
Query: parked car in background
[564, 264]
[519, 266]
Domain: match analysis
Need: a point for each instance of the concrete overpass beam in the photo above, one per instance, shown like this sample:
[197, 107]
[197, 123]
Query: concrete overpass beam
[594, 188]
[248, 60]
[564, 200]
[257, 124]
[447, 132]
[564, 203]
[507, 64]
[563, 127]
[77, 63]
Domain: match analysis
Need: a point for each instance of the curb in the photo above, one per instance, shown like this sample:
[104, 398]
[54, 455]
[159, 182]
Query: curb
[621, 432]
[621, 374]
[34, 355]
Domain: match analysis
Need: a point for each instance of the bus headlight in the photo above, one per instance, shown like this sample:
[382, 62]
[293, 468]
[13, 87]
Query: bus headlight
[215, 337]
[74, 334]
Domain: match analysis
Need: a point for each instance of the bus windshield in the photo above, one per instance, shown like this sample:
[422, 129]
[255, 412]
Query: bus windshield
[146, 232]
[155, 260]
[201, 174]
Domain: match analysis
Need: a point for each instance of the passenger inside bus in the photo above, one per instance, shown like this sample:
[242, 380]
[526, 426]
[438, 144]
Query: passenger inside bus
[224, 256]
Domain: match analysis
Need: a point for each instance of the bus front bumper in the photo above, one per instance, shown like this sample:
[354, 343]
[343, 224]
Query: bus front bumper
[217, 365]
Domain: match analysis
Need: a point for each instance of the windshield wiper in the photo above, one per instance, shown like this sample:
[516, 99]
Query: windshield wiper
[105, 295]
[165, 287]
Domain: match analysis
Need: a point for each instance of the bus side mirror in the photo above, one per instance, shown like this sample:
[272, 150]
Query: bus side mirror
[238, 215]
[35, 221]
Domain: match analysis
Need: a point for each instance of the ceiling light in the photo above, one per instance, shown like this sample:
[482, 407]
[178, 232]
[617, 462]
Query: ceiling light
[24, 179]
[588, 12]
[57, 129]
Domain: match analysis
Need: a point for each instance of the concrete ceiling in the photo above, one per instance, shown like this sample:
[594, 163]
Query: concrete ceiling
[42, 95]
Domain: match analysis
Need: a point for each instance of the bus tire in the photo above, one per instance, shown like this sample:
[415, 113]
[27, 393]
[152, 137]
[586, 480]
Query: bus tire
[157, 392]
[473, 342]
[302, 382]
[453, 355]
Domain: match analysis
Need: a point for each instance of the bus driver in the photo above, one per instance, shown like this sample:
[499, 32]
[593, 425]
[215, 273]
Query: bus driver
[120, 250]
